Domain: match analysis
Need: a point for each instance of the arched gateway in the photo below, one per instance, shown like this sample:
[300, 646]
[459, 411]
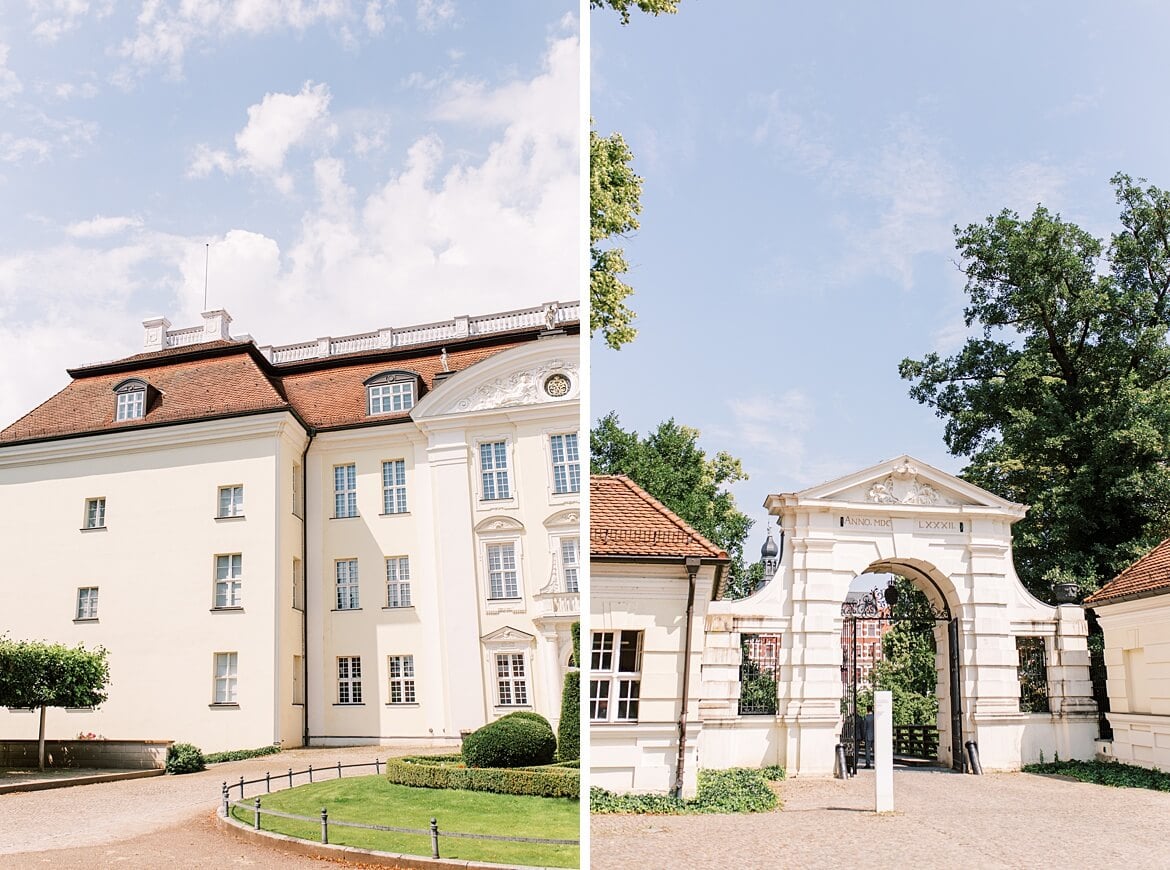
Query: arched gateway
[952, 540]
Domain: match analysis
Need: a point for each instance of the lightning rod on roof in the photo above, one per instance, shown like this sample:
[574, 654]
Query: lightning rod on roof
[206, 263]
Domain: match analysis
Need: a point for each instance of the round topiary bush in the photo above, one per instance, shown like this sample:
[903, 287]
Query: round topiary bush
[516, 740]
[184, 758]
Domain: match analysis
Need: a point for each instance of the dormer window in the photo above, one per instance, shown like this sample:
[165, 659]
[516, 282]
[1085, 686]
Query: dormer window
[391, 392]
[131, 400]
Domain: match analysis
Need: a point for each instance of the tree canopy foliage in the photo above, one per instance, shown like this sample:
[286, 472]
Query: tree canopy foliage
[1063, 401]
[670, 465]
[614, 204]
[34, 674]
[623, 7]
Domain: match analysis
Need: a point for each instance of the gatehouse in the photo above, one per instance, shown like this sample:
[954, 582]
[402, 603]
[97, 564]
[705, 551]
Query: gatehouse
[772, 663]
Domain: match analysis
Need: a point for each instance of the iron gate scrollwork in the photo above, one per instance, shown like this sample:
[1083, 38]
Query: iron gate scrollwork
[875, 608]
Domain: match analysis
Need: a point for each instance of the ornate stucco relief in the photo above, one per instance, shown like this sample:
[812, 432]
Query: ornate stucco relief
[519, 388]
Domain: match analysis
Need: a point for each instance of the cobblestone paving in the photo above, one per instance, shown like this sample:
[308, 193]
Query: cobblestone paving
[165, 821]
[941, 820]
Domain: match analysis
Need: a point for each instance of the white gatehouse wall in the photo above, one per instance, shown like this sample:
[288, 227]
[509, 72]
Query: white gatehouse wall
[953, 541]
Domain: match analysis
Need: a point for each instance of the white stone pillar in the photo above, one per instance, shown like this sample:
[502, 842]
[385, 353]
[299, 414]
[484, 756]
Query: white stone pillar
[883, 755]
[156, 333]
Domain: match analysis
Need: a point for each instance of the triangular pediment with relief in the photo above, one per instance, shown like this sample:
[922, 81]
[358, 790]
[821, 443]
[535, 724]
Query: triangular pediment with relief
[905, 481]
[507, 634]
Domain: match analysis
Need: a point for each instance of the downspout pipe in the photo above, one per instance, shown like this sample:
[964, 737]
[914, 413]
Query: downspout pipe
[305, 588]
[692, 564]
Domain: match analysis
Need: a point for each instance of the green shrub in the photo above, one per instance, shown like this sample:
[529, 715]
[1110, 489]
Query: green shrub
[1112, 773]
[569, 728]
[772, 772]
[737, 790]
[513, 741]
[241, 754]
[530, 716]
[184, 758]
[429, 772]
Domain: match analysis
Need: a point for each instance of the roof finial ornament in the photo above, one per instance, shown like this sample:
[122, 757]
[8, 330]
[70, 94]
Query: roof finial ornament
[550, 316]
[443, 360]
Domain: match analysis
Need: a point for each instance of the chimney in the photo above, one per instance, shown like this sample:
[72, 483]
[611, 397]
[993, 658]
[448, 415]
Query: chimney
[156, 333]
[215, 325]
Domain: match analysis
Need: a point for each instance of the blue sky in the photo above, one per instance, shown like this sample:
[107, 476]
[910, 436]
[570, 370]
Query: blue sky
[804, 165]
[353, 164]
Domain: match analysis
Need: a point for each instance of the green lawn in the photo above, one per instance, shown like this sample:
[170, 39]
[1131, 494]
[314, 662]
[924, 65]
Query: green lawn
[374, 801]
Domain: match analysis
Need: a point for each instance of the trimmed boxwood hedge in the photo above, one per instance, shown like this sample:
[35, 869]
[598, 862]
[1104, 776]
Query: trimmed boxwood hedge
[520, 739]
[444, 771]
[241, 754]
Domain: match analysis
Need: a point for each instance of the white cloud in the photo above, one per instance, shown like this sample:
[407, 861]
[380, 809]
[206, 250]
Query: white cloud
[100, 227]
[54, 18]
[10, 84]
[432, 14]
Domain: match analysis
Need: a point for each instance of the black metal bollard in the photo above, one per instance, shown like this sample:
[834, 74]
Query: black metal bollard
[377, 766]
[841, 771]
[226, 808]
[256, 821]
[434, 838]
[973, 757]
[324, 826]
[267, 782]
[339, 770]
[310, 773]
[241, 787]
[290, 777]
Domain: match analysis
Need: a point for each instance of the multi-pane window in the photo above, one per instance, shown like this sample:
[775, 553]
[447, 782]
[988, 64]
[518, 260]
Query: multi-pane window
[231, 501]
[345, 491]
[394, 486]
[401, 674]
[493, 467]
[566, 463]
[226, 664]
[511, 680]
[131, 405]
[1033, 675]
[615, 676]
[571, 562]
[398, 581]
[503, 580]
[349, 680]
[87, 601]
[347, 584]
[387, 398]
[95, 513]
[229, 571]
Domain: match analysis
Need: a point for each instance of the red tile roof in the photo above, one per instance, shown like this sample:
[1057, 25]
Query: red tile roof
[625, 520]
[227, 378]
[1149, 575]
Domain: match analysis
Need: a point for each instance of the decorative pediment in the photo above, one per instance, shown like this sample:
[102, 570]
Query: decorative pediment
[543, 372]
[499, 524]
[570, 519]
[904, 482]
[508, 636]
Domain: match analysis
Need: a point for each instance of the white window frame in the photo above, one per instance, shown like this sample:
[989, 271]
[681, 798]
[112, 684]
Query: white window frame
[349, 681]
[517, 586]
[131, 404]
[394, 487]
[400, 680]
[513, 690]
[398, 582]
[570, 581]
[225, 679]
[568, 469]
[348, 585]
[87, 603]
[492, 473]
[229, 581]
[614, 691]
[233, 506]
[390, 397]
[95, 513]
[345, 491]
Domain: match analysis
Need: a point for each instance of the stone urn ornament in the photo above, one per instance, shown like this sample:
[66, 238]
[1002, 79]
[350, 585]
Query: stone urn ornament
[1066, 593]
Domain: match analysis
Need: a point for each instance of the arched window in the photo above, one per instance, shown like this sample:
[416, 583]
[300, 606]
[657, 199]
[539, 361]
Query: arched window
[130, 399]
[391, 392]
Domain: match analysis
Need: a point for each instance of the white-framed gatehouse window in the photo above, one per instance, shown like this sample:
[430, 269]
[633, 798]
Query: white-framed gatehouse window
[615, 676]
[493, 468]
[349, 679]
[394, 486]
[231, 502]
[87, 602]
[571, 562]
[226, 669]
[229, 572]
[503, 575]
[95, 513]
[347, 584]
[566, 463]
[345, 491]
[511, 680]
[400, 673]
[398, 581]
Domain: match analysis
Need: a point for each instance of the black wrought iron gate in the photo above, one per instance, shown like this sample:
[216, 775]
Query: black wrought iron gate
[863, 620]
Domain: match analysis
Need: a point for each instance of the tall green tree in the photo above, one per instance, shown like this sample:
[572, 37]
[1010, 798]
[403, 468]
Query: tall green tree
[1062, 401]
[41, 675]
[670, 465]
[614, 204]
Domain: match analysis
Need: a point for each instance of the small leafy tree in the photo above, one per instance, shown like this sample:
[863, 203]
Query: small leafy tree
[35, 674]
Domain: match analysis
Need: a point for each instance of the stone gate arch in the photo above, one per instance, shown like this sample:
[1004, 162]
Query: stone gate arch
[954, 540]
